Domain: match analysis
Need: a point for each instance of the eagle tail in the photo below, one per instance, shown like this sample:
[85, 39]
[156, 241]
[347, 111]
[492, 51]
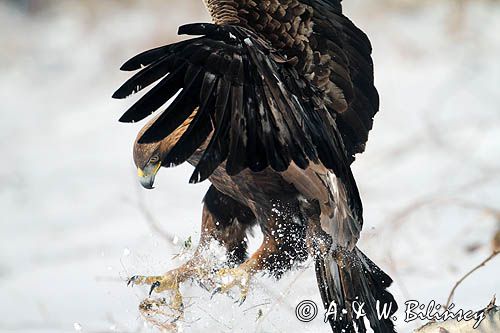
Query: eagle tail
[353, 287]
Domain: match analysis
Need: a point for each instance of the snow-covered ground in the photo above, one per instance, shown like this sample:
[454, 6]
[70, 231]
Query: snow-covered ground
[72, 227]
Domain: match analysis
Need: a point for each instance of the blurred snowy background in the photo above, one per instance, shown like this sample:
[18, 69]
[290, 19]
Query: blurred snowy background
[75, 223]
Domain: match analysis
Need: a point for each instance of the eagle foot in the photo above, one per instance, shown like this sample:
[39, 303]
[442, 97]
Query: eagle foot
[169, 281]
[234, 277]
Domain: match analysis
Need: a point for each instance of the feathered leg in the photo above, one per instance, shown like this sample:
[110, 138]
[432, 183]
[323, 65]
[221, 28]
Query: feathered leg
[283, 245]
[241, 275]
[223, 220]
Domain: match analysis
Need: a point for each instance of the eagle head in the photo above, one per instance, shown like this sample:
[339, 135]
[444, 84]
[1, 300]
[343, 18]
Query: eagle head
[147, 159]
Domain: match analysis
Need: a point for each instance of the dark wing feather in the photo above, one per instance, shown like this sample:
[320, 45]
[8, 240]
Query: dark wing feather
[351, 70]
[200, 127]
[145, 77]
[255, 151]
[146, 58]
[177, 112]
[217, 149]
[237, 147]
[155, 97]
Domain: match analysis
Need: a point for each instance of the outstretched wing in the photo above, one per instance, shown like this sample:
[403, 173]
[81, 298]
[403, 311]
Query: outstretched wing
[273, 82]
[330, 51]
[252, 105]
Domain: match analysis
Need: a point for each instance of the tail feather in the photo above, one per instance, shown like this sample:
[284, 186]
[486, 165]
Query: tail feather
[348, 281]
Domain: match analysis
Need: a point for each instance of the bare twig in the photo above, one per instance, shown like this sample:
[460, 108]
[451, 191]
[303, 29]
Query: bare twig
[397, 277]
[256, 306]
[151, 220]
[400, 217]
[282, 296]
[214, 319]
[491, 256]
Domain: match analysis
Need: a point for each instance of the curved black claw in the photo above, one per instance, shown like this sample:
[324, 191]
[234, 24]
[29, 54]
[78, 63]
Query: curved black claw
[202, 285]
[242, 300]
[132, 280]
[215, 291]
[153, 286]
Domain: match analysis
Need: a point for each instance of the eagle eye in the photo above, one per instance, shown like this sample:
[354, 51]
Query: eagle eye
[154, 159]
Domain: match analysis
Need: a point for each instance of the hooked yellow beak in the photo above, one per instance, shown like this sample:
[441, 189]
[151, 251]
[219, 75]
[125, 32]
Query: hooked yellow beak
[147, 176]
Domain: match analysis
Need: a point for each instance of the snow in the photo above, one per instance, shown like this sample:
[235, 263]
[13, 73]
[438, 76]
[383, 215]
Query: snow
[72, 228]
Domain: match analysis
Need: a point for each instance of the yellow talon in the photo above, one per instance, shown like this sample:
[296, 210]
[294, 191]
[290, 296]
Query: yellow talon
[160, 284]
[234, 277]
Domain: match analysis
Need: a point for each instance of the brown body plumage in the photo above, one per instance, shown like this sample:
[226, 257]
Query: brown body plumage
[277, 98]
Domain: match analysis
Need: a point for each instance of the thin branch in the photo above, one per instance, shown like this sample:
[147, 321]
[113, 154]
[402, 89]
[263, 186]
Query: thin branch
[256, 306]
[491, 256]
[151, 220]
[398, 219]
[213, 318]
[281, 298]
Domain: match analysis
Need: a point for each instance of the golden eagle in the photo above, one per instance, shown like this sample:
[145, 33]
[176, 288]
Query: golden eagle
[271, 102]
